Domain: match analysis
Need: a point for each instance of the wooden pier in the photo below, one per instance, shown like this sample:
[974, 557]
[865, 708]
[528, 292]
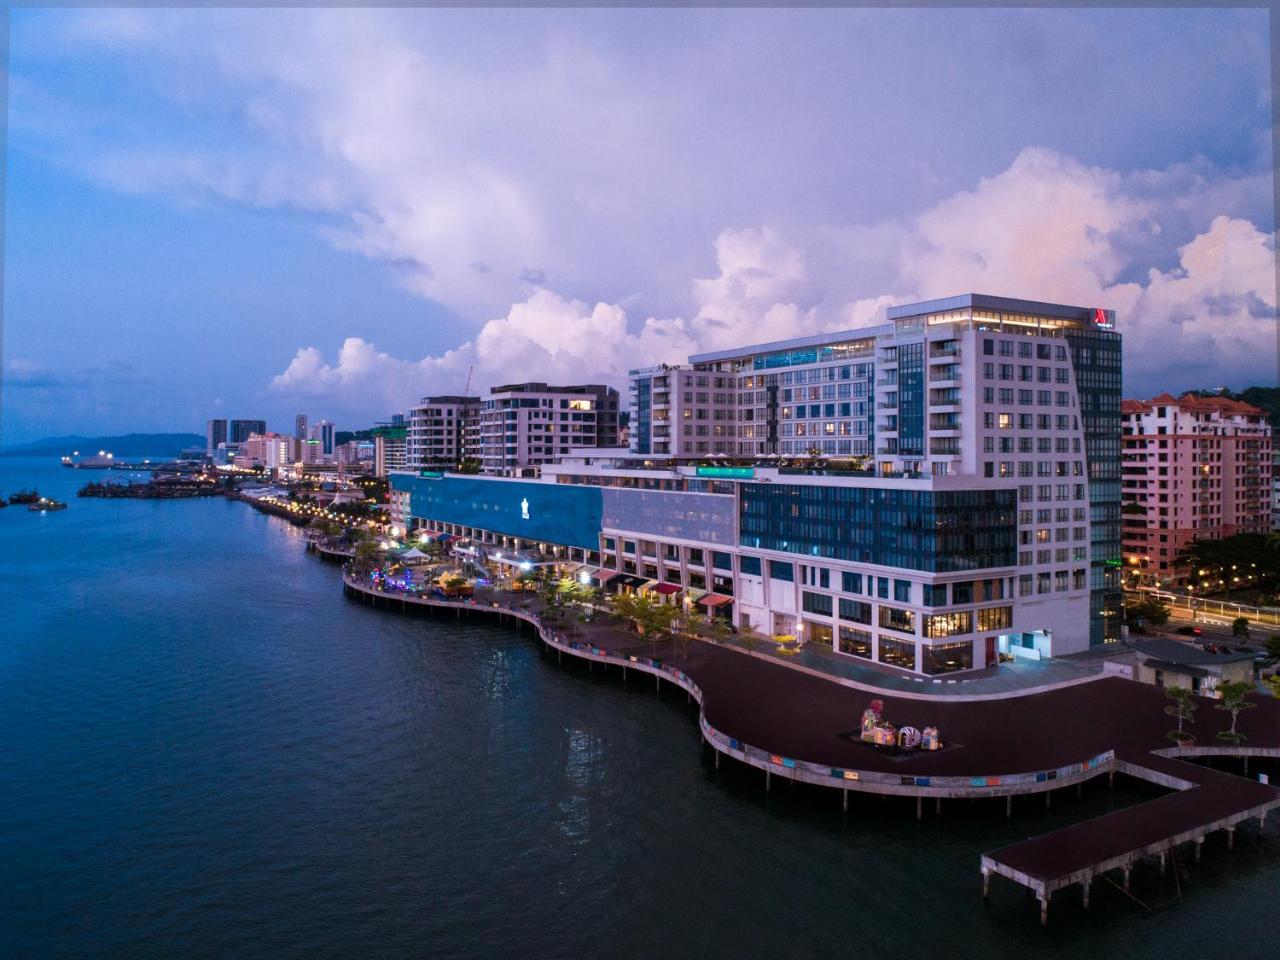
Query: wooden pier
[1205, 802]
[795, 726]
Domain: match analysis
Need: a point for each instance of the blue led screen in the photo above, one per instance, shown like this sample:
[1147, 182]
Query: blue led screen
[552, 512]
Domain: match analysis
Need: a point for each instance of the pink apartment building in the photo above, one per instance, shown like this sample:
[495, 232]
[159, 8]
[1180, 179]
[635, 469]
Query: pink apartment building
[1191, 467]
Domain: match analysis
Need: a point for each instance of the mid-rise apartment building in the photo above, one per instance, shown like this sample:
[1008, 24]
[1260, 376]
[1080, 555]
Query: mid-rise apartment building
[390, 448]
[443, 431]
[525, 425]
[1193, 468]
[924, 494]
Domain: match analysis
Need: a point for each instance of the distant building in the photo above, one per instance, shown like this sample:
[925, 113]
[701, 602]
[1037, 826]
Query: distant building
[390, 448]
[354, 451]
[273, 451]
[1275, 488]
[241, 429]
[1192, 468]
[215, 433]
[323, 431]
[300, 427]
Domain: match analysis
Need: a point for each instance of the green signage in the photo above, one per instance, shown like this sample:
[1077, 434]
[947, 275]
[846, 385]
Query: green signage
[728, 473]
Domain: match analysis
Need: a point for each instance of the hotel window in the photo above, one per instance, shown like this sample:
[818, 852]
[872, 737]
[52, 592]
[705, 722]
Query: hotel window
[898, 653]
[891, 618]
[779, 570]
[855, 642]
[946, 657]
[962, 593]
[721, 561]
[749, 566]
[935, 594]
[902, 591]
[999, 618]
[856, 610]
[939, 625]
[819, 603]
[851, 582]
[628, 546]
[1024, 585]
[882, 588]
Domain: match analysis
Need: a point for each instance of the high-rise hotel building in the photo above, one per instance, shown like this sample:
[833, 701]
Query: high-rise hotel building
[924, 494]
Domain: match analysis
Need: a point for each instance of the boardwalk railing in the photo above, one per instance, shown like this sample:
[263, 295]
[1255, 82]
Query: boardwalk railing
[773, 764]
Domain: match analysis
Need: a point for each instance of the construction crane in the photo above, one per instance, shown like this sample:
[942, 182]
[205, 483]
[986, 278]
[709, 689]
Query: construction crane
[466, 390]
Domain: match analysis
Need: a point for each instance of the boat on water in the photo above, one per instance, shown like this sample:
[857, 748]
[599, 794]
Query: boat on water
[24, 496]
[45, 504]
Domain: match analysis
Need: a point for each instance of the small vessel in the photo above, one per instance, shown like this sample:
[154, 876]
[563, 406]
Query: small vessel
[24, 496]
[45, 504]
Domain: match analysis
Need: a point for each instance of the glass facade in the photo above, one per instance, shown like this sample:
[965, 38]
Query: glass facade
[898, 653]
[934, 531]
[946, 657]
[855, 642]
[1095, 358]
[641, 424]
[911, 400]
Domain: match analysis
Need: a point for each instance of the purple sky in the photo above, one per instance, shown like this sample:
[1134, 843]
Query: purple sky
[256, 213]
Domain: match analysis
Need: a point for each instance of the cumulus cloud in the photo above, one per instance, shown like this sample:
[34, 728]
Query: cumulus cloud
[1046, 228]
[547, 196]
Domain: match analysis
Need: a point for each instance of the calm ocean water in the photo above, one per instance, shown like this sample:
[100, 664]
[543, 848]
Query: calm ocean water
[206, 751]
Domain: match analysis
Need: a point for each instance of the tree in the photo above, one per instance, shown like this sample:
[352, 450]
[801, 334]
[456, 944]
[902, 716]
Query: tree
[1240, 627]
[1273, 647]
[717, 630]
[1184, 709]
[749, 641]
[1147, 609]
[1235, 697]
[367, 555]
[651, 618]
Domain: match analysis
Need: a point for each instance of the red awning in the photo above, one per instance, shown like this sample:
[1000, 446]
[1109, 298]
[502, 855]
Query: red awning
[667, 588]
[603, 576]
[715, 600]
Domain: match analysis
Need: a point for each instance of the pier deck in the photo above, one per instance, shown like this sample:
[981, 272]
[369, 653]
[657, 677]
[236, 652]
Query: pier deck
[796, 725]
[1205, 801]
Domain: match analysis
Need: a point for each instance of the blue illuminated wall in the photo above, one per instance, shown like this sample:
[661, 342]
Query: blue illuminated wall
[557, 512]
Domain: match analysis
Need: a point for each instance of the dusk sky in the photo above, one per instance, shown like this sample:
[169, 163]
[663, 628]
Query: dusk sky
[254, 213]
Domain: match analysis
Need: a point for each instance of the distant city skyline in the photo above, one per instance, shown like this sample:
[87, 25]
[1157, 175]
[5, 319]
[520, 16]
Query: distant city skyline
[341, 211]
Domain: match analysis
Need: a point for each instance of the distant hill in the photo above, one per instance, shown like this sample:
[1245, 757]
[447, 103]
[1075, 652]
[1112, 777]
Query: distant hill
[128, 445]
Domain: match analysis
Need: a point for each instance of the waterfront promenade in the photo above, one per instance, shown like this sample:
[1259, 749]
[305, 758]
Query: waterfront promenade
[801, 726]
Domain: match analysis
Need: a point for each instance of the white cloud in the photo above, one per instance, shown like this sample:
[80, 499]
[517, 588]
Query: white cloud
[1046, 228]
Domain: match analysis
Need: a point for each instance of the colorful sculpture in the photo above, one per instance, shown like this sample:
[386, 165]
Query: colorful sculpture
[908, 738]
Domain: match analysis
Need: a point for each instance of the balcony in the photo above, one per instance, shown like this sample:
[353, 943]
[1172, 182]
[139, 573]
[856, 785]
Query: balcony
[941, 349]
[947, 373]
